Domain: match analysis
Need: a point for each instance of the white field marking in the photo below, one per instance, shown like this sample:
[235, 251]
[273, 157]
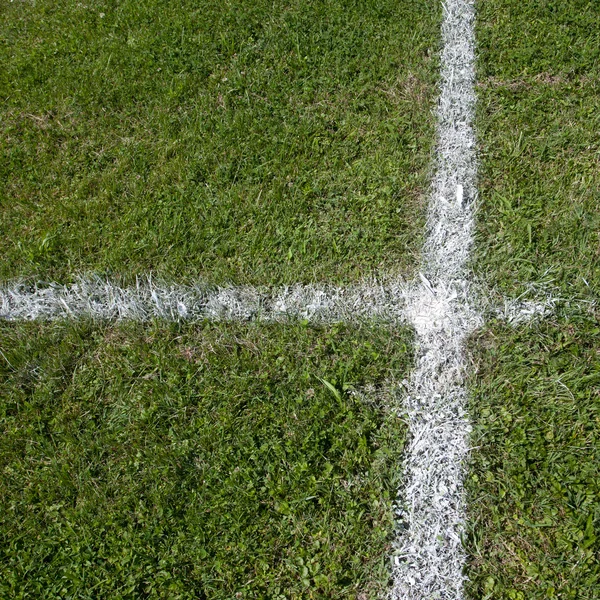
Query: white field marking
[97, 298]
[538, 301]
[516, 312]
[429, 557]
[384, 301]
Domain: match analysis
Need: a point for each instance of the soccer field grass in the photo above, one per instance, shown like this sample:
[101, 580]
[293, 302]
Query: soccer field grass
[274, 439]
[538, 123]
[198, 461]
[533, 486]
[242, 143]
[250, 142]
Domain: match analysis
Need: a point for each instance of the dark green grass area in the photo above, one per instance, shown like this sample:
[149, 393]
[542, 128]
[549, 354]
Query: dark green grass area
[523, 39]
[534, 485]
[249, 142]
[538, 125]
[197, 461]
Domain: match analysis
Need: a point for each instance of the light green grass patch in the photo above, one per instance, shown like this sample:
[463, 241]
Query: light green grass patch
[534, 484]
[538, 123]
[249, 142]
[198, 461]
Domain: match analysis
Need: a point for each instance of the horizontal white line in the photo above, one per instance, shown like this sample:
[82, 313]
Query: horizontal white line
[387, 301]
[97, 298]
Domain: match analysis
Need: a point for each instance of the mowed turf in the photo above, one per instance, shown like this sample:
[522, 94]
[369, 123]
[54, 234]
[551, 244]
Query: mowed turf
[538, 123]
[247, 142]
[250, 143]
[533, 487]
[198, 461]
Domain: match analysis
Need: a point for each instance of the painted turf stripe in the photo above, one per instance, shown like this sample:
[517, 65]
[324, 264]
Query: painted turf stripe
[429, 557]
[101, 299]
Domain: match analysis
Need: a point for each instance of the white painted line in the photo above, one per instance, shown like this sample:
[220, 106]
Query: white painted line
[516, 312]
[429, 557]
[101, 299]
[96, 298]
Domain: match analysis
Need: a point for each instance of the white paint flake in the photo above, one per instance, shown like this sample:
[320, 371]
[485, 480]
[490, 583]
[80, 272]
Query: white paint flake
[429, 557]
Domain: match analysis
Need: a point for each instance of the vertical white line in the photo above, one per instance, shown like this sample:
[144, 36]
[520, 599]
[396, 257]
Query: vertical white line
[429, 557]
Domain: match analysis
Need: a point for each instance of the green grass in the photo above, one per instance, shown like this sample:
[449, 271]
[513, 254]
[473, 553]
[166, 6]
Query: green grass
[539, 86]
[248, 142]
[534, 484]
[197, 461]
[533, 487]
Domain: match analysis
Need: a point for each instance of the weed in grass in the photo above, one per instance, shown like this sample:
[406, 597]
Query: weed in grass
[197, 461]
